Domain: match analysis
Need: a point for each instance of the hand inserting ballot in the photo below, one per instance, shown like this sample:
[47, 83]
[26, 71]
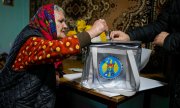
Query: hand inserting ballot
[98, 27]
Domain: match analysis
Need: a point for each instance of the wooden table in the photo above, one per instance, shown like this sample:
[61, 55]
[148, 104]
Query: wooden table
[111, 102]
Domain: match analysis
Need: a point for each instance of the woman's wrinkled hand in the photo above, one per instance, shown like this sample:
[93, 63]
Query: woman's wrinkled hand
[57, 79]
[98, 27]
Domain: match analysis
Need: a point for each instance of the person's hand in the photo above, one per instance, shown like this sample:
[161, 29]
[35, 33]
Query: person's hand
[98, 27]
[159, 39]
[57, 79]
[119, 36]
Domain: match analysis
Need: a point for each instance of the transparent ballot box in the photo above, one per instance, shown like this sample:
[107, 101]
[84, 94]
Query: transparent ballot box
[113, 67]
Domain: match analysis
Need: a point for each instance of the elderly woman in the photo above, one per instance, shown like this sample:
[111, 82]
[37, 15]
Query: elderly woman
[29, 78]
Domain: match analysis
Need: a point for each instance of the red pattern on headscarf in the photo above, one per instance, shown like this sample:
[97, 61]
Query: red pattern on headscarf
[44, 21]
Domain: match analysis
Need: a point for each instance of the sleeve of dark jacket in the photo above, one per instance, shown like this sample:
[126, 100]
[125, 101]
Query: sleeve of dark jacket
[148, 32]
[84, 39]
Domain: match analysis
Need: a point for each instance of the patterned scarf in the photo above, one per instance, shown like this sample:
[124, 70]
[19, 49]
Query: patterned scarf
[44, 21]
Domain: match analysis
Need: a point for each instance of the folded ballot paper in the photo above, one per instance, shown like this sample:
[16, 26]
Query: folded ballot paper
[145, 83]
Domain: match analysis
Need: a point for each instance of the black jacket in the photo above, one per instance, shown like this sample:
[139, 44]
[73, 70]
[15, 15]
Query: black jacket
[33, 88]
[168, 20]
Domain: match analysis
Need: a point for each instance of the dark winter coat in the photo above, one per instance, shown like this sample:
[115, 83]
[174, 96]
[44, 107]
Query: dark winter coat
[169, 21]
[33, 88]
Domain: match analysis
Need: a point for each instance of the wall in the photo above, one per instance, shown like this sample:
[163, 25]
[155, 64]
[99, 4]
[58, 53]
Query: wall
[12, 20]
[119, 14]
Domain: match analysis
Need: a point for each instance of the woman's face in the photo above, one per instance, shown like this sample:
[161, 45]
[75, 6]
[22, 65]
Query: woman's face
[60, 24]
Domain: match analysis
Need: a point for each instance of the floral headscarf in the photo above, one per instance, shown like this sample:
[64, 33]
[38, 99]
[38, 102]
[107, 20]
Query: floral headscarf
[44, 21]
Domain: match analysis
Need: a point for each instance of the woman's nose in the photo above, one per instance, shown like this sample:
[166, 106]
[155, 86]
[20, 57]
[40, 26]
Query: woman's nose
[65, 25]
